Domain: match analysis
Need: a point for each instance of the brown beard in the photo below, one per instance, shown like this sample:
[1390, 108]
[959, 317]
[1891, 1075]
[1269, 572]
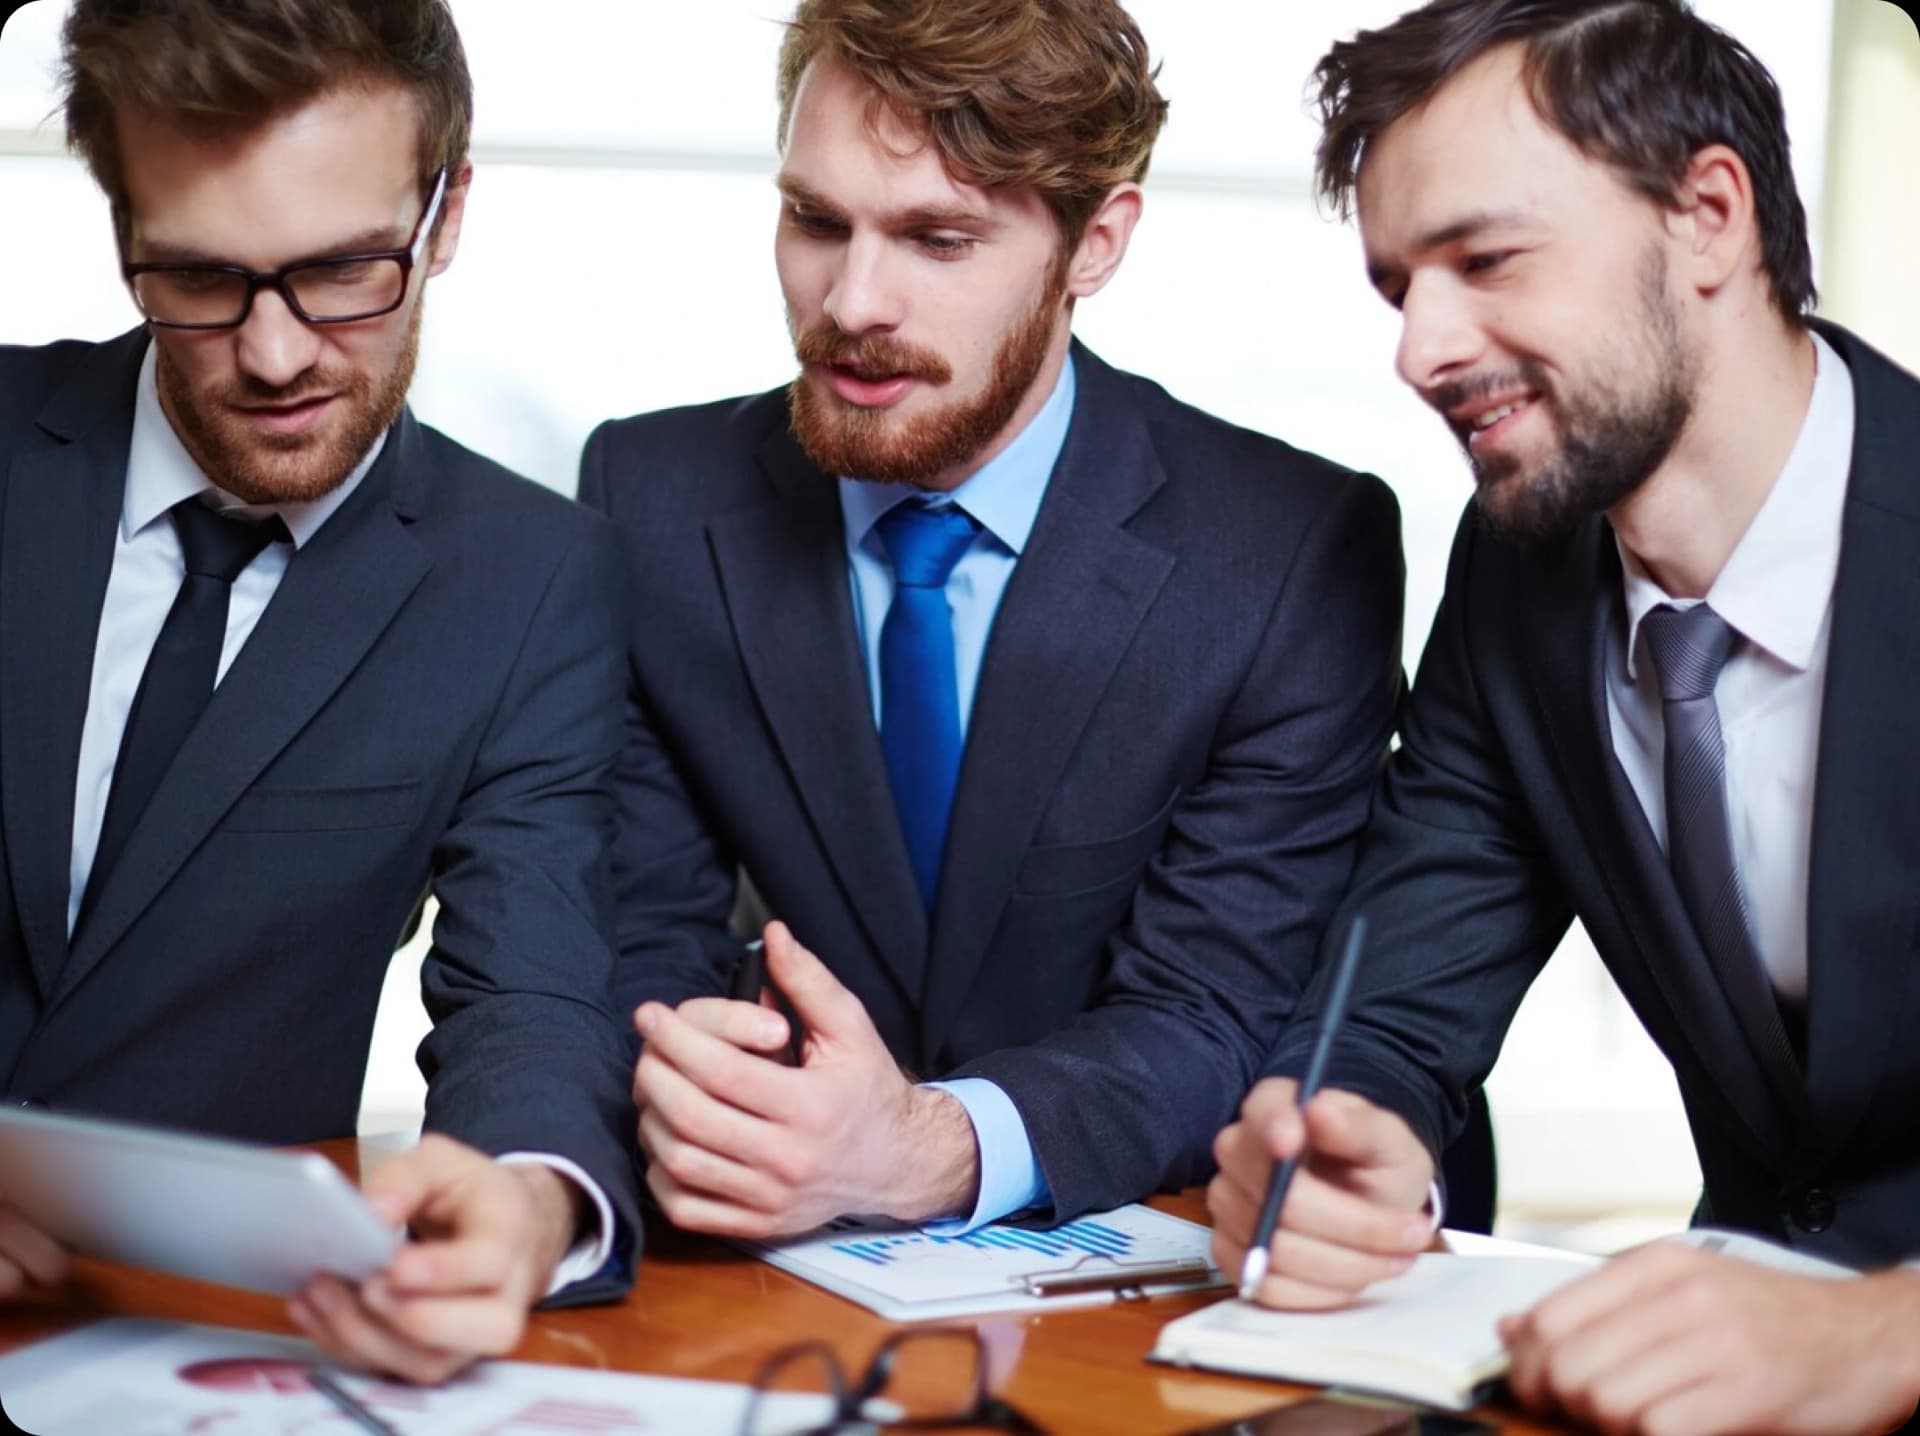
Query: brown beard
[288, 468]
[871, 444]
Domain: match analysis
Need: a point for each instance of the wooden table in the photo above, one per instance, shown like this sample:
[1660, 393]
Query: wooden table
[701, 1309]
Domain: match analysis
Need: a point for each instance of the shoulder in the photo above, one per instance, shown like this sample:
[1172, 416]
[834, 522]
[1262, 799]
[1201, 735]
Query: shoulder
[692, 454]
[484, 506]
[30, 375]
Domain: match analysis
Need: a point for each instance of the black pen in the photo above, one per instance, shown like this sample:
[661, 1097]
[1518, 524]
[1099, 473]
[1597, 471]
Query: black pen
[1253, 1269]
[750, 980]
[347, 1403]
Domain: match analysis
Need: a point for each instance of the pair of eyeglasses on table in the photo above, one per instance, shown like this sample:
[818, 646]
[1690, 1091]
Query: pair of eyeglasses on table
[927, 1379]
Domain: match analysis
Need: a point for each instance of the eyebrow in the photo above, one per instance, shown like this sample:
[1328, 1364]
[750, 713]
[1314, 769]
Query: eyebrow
[1466, 227]
[921, 216]
[378, 239]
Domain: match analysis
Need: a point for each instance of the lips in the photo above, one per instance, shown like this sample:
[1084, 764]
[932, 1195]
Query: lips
[291, 418]
[868, 389]
[1487, 425]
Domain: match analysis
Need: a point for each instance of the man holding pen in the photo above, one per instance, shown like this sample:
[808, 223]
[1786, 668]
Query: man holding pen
[1663, 692]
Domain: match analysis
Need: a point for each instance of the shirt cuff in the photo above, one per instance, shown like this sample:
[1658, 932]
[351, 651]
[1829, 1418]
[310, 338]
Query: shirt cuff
[1010, 1179]
[586, 1256]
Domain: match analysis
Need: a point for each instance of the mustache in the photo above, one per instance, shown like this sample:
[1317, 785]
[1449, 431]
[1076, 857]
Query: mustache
[1528, 374]
[827, 344]
[248, 392]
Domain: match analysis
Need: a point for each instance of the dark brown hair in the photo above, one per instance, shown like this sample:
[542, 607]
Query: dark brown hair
[1641, 85]
[212, 66]
[1055, 94]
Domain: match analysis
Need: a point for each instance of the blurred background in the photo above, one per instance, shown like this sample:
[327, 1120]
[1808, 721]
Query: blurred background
[617, 258]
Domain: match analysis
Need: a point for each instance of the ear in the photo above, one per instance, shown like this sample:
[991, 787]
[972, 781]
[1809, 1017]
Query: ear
[1104, 244]
[453, 209]
[1714, 220]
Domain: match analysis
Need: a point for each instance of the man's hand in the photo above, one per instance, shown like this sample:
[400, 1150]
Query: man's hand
[1672, 1341]
[739, 1145]
[486, 1238]
[28, 1256]
[1353, 1214]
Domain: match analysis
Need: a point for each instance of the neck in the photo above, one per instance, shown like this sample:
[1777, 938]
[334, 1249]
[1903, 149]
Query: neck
[1686, 520]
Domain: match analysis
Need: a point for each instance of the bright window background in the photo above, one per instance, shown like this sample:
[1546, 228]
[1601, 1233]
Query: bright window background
[616, 258]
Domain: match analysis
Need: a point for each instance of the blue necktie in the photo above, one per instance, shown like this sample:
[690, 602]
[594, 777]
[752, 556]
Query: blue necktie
[919, 691]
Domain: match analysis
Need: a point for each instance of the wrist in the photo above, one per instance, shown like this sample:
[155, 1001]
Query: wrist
[559, 1210]
[937, 1156]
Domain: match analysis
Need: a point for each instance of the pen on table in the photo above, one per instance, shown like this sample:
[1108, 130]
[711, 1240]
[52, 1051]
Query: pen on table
[1253, 1268]
[750, 980]
[347, 1403]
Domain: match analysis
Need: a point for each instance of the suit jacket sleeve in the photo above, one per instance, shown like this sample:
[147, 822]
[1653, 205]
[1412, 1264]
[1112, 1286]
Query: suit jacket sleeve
[1462, 903]
[1223, 927]
[524, 1053]
[674, 885]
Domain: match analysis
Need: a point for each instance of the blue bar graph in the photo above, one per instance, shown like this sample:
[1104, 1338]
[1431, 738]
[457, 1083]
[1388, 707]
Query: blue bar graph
[1087, 1238]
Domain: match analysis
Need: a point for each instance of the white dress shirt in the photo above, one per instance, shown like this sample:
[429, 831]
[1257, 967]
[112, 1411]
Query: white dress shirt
[1776, 591]
[148, 569]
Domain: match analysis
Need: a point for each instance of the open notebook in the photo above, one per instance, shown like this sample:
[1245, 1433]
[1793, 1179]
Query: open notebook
[1427, 1336]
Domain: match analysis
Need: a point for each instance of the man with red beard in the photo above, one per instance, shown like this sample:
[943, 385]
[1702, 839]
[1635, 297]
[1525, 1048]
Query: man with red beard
[275, 659]
[1041, 707]
[1669, 689]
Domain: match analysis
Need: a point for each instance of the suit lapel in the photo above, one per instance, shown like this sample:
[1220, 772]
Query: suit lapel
[61, 508]
[783, 572]
[1721, 1014]
[339, 594]
[1078, 594]
[1861, 911]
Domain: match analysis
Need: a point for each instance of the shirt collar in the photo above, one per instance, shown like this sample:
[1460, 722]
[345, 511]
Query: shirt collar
[1777, 583]
[1004, 496]
[160, 472]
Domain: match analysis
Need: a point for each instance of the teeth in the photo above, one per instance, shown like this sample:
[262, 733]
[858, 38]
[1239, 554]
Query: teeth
[1494, 416]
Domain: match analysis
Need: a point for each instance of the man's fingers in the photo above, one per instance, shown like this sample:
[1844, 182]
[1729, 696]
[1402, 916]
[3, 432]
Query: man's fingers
[481, 1259]
[825, 1007]
[400, 1187]
[1319, 1208]
[695, 1211]
[1348, 1128]
[35, 1257]
[471, 1325]
[696, 1168]
[739, 1024]
[719, 1068]
[696, 1117]
[332, 1316]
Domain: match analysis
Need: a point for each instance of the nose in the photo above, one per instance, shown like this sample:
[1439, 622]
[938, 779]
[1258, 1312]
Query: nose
[1440, 336]
[273, 344]
[865, 294]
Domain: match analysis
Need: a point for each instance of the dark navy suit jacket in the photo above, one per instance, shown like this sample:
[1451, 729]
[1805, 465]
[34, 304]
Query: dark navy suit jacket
[1505, 812]
[1181, 712]
[431, 698]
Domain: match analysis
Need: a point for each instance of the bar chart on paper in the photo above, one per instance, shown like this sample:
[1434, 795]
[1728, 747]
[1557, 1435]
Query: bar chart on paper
[911, 1274]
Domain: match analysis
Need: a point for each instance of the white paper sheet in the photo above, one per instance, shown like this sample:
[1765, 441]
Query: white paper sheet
[128, 1377]
[907, 1274]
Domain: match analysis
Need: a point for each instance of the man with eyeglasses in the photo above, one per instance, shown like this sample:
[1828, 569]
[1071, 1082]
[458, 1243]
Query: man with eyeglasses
[275, 659]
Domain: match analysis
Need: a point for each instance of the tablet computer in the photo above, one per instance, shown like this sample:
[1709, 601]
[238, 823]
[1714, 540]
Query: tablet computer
[202, 1207]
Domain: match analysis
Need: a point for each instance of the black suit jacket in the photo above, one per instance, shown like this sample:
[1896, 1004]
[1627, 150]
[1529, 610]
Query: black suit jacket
[1181, 712]
[1505, 812]
[432, 696]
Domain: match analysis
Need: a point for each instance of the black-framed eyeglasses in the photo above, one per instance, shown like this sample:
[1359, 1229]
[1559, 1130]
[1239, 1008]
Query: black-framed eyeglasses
[340, 289]
[930, 1378]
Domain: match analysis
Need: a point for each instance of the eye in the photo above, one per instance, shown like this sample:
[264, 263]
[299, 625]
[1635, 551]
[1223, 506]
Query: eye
[1485, 261]
[947, 246]
[821, 226]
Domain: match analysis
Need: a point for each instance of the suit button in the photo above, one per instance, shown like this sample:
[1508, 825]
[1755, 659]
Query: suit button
[1813, 1210]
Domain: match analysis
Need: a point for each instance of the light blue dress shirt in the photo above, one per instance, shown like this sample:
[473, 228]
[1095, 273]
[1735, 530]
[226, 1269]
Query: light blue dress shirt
[1004, 497]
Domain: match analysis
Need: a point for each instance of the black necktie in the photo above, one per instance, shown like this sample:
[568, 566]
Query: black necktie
[1689, 649]
[179, 677]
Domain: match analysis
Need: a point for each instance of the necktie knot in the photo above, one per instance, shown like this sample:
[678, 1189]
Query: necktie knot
[925, 541]
[215, 546]
[1689, 649]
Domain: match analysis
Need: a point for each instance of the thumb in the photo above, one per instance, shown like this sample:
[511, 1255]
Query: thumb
[825, 1007]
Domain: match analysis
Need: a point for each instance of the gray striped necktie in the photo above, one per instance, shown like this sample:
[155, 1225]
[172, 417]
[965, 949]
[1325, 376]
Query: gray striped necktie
[1689, 649]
